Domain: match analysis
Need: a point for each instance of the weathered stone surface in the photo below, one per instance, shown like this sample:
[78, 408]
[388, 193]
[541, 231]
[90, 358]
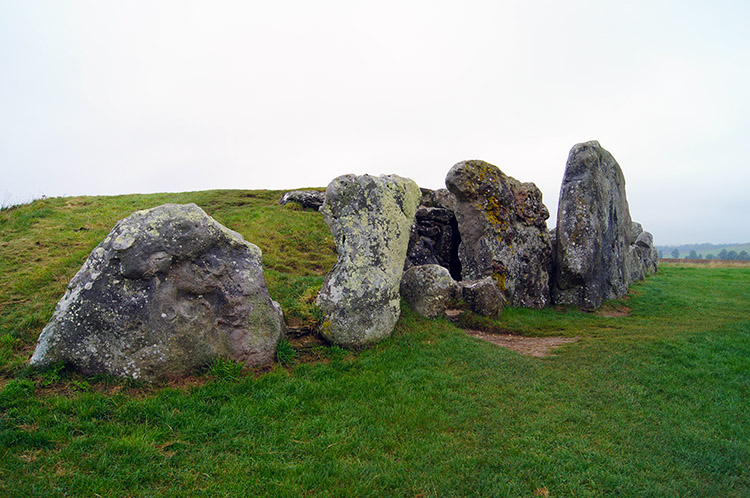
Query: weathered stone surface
[428, 289]
[308, 199]
[503, 228]
[166, 292]
[370, 219]
[482, 296]
[635, 268]
[443, 198]
[647, 251]
[440, 198]
[594, 230]
[642, 255]
[636, 230]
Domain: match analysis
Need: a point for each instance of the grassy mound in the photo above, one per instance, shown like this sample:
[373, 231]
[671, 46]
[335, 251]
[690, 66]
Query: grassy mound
[652, 400]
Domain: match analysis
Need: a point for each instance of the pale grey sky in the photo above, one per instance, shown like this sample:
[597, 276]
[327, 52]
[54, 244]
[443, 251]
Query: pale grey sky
[108, 97]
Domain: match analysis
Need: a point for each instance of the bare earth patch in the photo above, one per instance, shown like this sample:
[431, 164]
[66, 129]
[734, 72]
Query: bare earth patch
[530, 346]
[614, 311]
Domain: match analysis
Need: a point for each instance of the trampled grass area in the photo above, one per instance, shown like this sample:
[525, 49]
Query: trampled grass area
[652, 402]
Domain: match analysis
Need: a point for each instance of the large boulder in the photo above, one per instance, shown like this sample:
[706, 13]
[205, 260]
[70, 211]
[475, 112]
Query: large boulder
[168, 291]
[503, 228]
[370, 219]
[428, 289]
[594, 230]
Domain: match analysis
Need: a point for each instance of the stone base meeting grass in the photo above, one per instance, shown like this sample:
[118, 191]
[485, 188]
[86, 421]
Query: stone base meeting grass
[654, 401]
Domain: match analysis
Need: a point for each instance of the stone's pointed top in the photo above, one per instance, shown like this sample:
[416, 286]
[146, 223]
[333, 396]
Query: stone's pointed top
[466, 178]
[590, 158]
[590, 143]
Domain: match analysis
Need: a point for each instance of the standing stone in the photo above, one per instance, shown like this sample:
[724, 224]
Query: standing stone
[644, 244]
[168, 291]
[428, 289]
[503, 228]
[635, 267]
[370, 219]
[594, 230]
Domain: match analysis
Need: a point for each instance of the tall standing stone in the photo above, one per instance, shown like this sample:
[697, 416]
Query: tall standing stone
[370, 219]
[594, 230]
[503, 230]
[166, 292]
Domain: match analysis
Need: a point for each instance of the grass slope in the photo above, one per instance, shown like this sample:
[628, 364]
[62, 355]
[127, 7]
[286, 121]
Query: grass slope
[651, 404]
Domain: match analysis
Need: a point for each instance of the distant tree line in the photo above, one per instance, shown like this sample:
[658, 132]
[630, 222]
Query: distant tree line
[723, 254]
[694, 252]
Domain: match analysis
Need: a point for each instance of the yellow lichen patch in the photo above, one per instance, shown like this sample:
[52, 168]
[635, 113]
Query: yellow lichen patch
[325, 329]
[499, 279]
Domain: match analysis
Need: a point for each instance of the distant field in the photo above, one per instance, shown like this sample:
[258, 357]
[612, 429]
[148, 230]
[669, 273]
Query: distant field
[652, 400]
[714, 251]
[712, 263]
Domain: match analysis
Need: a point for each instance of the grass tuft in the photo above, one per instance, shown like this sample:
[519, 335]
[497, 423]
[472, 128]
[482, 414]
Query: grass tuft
[225, 369]
[286, 354]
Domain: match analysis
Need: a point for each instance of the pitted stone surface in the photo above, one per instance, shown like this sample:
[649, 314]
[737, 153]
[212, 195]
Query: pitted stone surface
[503, 230]
[594, 261]
[482, 296]
[428, 289]
[644, 244]
[370, 219]
[166, 292]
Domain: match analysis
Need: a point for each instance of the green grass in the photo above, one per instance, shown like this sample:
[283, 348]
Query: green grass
[654, 403]
[43, 244]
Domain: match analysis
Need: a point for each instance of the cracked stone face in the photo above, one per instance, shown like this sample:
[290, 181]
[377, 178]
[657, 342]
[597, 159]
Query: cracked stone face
[166, 292]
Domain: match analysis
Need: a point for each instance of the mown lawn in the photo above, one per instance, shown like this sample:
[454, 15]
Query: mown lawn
[652, 403]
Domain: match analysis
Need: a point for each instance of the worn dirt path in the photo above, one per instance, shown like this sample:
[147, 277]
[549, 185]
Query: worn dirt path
[530, 346]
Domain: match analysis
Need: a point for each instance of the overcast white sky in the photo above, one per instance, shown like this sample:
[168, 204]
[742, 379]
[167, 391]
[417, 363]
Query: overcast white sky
[108, 97]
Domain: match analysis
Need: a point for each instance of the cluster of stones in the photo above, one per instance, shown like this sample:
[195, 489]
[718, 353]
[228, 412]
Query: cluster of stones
[592, 255]
[170, 289]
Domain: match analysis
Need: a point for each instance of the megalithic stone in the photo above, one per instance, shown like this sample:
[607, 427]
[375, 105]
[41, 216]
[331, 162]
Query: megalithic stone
[594, 230]
[503, 227]
[166, 292]
[370, 219]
